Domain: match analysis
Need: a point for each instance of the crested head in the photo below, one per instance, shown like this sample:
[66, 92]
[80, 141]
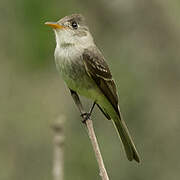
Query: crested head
[72, 31]
[78, 18]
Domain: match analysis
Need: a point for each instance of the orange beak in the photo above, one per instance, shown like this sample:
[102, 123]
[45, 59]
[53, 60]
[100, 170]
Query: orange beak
[55, 25]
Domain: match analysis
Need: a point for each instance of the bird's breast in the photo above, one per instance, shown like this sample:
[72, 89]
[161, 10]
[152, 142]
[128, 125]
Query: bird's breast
[72, 70]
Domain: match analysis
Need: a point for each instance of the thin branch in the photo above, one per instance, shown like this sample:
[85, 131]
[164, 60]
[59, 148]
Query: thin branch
[92, 136]
[58, 159]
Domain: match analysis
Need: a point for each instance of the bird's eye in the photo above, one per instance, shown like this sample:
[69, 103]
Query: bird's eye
[74, 25]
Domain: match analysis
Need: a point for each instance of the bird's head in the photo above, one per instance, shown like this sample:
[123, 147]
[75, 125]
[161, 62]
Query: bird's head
[71, 31]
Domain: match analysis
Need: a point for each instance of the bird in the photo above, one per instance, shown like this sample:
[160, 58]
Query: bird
[86, 73]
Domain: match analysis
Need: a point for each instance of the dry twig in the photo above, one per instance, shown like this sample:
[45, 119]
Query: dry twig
[92, 136]
[58, 159]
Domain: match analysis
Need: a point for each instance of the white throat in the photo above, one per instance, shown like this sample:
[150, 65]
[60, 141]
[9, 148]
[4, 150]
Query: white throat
[69, 45]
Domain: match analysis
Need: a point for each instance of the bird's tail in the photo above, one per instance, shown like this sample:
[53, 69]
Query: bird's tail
[127, 141]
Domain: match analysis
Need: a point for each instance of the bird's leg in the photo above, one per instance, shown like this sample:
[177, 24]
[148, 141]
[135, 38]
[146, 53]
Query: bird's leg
[91, 110]
[84, 115]
[77, 101]
[87, 115]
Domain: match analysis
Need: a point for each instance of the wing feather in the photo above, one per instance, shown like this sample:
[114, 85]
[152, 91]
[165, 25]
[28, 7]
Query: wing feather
[98, 69]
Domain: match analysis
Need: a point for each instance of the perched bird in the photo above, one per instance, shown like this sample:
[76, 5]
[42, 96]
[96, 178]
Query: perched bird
[85, 71]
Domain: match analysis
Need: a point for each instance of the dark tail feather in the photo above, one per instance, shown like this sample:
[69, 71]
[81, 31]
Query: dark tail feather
[127, 141]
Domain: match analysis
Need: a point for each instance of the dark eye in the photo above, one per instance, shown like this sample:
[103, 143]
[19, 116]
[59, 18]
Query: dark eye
[74, 25]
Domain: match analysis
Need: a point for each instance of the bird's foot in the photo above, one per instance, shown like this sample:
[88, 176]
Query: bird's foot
[85, 116]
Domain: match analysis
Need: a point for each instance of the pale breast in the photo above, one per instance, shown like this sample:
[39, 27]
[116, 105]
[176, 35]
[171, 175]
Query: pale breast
[74, 74]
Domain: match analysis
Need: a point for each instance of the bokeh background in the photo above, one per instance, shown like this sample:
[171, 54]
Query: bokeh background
[141, 42]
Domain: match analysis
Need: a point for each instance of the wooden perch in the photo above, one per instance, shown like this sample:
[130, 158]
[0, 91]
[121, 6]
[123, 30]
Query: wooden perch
[92, 136]
[58, 141]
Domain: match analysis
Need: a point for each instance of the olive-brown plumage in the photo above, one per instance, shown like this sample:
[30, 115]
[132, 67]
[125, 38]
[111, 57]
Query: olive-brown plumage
[85, 71]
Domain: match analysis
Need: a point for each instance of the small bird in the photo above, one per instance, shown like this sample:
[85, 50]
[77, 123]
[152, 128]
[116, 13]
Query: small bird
[86, 73]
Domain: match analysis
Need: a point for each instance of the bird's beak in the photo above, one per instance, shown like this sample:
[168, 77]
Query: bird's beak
[55, 25]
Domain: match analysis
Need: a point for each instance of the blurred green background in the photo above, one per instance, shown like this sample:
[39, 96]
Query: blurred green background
[141, 42]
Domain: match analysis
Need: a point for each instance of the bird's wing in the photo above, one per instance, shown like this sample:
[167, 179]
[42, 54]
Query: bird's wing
[98, 69]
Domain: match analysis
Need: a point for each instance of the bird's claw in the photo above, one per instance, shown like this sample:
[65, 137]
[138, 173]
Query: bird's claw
[85, 116]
